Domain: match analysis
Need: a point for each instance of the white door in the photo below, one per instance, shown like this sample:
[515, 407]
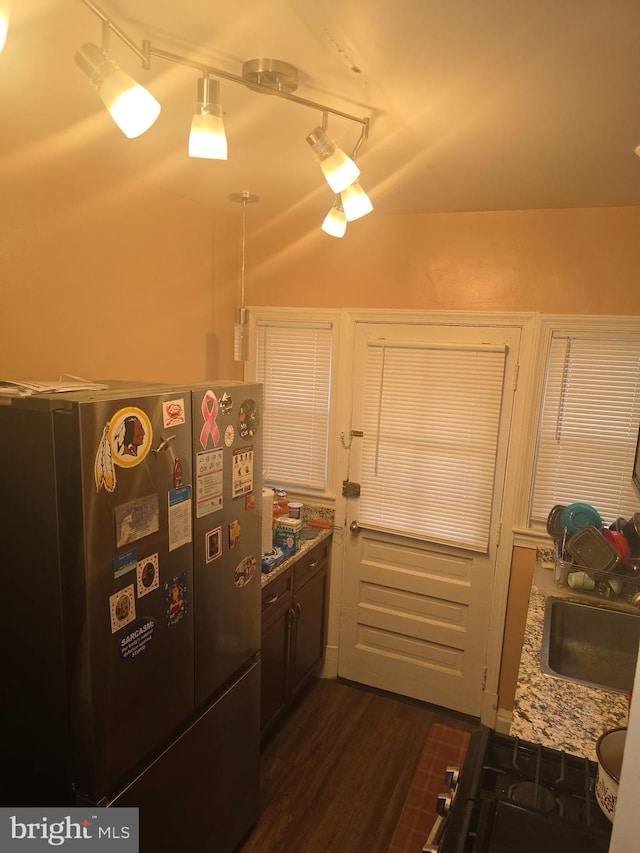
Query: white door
[420, 558]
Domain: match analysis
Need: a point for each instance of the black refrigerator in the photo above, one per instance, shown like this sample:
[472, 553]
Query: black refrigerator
[130, 549]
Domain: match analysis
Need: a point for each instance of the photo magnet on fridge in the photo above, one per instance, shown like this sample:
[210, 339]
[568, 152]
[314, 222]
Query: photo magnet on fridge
[148, 575]
[213, 544]
[122, 606]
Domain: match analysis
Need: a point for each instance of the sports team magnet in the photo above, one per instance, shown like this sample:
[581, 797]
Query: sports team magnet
[122, 606]
[244, 571]
[173, 413]
[209, 408]
[125, 442]
[175, 599]
[147, 575]
[249, 417]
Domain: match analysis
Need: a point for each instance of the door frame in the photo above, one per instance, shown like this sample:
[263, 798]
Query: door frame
[516, 488]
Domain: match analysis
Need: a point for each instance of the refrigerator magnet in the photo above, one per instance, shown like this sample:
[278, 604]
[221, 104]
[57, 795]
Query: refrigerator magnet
[130, 436]
[209, 491]
[175, 599]
[179, 514]
[173, 413]
[226, 404]
[250, 501]
[137, 638]
[122, 606]
[209, 408]
[213, 544]
[245, 571]
[242, 481]
[136, 519]
[229, 435]
[125, 563]
[249, 417]
[148, 575]
[234, 533]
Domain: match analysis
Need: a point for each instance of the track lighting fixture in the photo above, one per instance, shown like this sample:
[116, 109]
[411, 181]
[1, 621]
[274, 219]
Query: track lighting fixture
[132, 108]
[335, 222]
[4, 23]
[207, 138]
[339, 170]
[355, 202]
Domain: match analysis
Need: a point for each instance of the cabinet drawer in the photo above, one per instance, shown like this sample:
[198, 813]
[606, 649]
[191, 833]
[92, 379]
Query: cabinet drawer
[276, 596]
[306, 567]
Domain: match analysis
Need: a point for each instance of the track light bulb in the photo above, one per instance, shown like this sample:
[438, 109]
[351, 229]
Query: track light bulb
[355, 202]
[4, 24]
[339, 170]
[132, 108]
[207, 138]
[335, 222]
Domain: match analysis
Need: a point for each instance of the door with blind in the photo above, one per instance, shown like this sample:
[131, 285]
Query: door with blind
[428, 446]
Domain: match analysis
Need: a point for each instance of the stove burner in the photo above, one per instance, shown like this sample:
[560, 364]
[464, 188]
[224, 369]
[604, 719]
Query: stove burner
[530, 794]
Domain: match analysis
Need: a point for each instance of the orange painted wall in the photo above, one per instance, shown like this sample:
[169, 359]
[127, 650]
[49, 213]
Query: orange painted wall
[104, 278]
[549, 261]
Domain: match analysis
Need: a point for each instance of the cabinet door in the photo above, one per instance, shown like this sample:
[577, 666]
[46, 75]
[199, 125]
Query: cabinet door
[275, 653]
[309, 631]
[277, 617]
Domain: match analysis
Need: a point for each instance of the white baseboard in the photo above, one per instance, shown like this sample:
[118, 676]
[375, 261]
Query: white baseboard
[330, 667]
[503, 721]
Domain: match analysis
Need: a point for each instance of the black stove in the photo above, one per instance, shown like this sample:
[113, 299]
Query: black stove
[518, 796]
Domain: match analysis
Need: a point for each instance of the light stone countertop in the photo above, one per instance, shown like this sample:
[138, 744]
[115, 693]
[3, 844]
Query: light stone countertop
[549, 710]
[309, 513]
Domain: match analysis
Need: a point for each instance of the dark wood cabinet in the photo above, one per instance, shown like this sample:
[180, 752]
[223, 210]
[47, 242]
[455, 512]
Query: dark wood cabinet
[294, 610]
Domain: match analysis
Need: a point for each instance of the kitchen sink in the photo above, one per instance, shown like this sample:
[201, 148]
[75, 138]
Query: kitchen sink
[590, 645]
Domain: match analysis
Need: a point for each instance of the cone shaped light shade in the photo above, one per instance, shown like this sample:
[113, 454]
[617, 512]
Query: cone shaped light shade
[4, 27]
[335, 222]
[355, 202]
[132, 108]
[207, 138]
[339, 170]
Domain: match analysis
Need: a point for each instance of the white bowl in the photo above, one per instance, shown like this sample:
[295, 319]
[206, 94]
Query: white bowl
[609, 749]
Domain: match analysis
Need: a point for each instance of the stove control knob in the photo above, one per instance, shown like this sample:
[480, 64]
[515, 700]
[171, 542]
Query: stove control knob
[451, 776]
[443, 804]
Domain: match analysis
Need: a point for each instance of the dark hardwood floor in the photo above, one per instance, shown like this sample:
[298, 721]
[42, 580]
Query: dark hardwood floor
[335, 775]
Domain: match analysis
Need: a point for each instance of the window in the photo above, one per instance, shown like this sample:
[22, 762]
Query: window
[293, 360]
[589, 424]
[431, 426]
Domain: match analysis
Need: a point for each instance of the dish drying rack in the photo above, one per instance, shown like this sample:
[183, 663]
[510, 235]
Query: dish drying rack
[622, 582]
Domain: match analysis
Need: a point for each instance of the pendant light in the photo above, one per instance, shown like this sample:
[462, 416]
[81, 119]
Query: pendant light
[239, 329]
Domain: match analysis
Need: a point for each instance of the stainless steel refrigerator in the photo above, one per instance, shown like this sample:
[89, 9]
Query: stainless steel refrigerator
[131, 622]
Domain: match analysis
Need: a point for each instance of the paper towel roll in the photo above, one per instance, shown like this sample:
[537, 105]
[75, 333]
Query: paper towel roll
[267, 520]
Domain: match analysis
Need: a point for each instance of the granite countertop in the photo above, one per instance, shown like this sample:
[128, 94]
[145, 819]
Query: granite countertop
[549, 710]
[309, 513]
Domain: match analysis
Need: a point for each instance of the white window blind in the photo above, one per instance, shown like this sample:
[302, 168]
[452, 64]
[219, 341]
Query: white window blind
[293, 361]
[589, 426]
[431, 423]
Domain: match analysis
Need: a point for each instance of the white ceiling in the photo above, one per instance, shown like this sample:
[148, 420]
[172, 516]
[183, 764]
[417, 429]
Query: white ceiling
[474, 104]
